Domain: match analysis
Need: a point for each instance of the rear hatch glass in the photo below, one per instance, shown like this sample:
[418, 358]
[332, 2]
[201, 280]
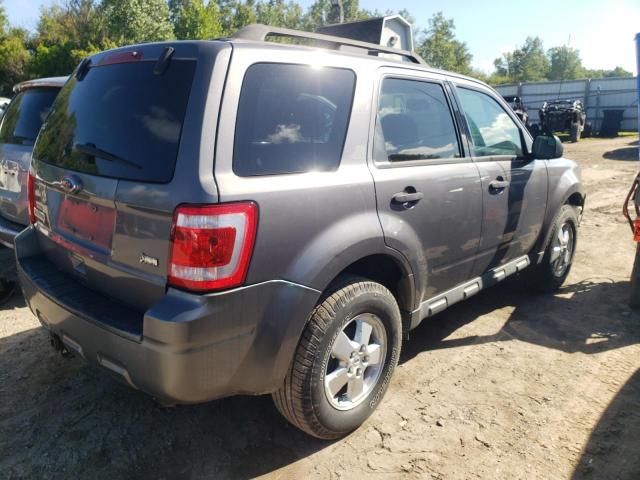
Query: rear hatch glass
[20, 126]
[23, 119]
[120, 121]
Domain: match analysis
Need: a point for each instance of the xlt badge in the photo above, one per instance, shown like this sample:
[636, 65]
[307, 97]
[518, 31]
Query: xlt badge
[147, 260]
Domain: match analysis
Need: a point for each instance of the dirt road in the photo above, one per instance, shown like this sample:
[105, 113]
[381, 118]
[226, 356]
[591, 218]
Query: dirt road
[508, 385]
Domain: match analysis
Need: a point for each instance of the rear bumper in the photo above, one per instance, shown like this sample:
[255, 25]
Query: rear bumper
[191, 348]
[8, 232]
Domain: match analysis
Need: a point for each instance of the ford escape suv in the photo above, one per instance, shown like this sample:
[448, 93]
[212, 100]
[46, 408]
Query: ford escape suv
[18, 131]
[212, 218]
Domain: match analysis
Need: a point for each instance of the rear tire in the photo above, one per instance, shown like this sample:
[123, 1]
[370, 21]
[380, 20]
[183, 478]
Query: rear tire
[553, 270]
[334, 385]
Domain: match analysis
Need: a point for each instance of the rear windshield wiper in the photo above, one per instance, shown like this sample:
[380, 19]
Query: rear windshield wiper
[91, 150]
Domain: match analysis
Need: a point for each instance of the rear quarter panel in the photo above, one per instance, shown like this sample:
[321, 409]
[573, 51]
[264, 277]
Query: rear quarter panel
[314, 224]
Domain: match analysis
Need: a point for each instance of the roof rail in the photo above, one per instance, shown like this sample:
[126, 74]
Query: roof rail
[259, 32]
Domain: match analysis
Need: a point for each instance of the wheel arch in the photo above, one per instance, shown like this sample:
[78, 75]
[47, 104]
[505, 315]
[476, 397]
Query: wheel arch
[385, 268]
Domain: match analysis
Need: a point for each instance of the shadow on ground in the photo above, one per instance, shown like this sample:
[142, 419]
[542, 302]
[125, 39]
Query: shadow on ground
[63, 418]
[613, 448]
[588, 317]
[10, 296]
[624, 153]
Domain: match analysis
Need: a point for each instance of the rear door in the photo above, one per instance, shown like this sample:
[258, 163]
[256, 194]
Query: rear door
[428, 193]
[106, 163]
[20, 126]
[514, 186]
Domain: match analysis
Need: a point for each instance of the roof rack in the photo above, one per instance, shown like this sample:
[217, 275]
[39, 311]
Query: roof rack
[259, 32]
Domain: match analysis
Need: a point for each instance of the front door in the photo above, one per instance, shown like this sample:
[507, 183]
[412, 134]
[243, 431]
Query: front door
[428, 193]
[514, 186]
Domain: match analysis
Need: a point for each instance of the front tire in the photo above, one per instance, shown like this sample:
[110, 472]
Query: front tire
[553, 270]
[344, 361]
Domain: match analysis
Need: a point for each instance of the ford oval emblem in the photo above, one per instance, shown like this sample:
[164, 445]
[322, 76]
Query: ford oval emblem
[71, 184]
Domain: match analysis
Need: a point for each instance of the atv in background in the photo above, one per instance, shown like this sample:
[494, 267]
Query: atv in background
[566, 116]
[518, 107]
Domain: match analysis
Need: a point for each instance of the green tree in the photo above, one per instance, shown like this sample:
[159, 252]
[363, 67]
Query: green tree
[4, 22]
[325, 12]
[192, 19]
[279, 14]
[14, 59]
[565, 63]
[527, 63]
[440, 48]
[235, 14]
[604, 73]
[135, 21]
[618, 72]
[66, 34]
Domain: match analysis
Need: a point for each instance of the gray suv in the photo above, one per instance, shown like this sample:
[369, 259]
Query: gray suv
[213, 218]
[18, 131]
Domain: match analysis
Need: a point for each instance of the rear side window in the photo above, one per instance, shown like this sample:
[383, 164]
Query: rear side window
[120, 121]
[25, 115]
[414, 122]
[291, 119]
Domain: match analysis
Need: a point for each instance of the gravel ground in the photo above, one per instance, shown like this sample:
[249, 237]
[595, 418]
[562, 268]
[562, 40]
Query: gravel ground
[509, 384]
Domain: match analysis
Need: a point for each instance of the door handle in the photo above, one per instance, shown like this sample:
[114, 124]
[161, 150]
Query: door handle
[498, 184]
[407, 197]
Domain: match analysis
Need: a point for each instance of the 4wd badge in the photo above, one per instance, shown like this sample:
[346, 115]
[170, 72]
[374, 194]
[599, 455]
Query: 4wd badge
[147, 260]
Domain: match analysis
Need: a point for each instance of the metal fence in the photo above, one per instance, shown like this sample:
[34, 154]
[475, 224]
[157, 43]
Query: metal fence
[596, 94]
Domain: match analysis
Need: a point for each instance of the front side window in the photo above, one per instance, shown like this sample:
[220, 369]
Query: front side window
[291, 119]
[414, 122]
[493, 132]
[25, 115]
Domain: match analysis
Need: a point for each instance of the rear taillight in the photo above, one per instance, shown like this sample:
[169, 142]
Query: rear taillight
[211, 245]
[31, 192]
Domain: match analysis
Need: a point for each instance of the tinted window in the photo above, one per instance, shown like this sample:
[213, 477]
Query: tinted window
[291, 118]
[119, 121]
[493, 132]
[23, 119]
[414, 122]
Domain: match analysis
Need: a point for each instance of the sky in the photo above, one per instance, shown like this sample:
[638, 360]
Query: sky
[603, 30]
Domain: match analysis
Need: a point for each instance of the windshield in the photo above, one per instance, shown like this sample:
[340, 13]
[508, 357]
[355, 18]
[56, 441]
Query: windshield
[23, 119]
[120, 121]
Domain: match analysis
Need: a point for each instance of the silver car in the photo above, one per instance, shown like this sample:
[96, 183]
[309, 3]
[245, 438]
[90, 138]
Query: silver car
[21, 122]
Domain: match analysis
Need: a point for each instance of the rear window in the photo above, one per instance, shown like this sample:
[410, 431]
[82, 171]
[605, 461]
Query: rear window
[291, 119]
[120, 121]
[23, 119]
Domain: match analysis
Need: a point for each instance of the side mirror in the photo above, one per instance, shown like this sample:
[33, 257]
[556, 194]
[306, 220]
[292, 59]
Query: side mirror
[546, 148]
